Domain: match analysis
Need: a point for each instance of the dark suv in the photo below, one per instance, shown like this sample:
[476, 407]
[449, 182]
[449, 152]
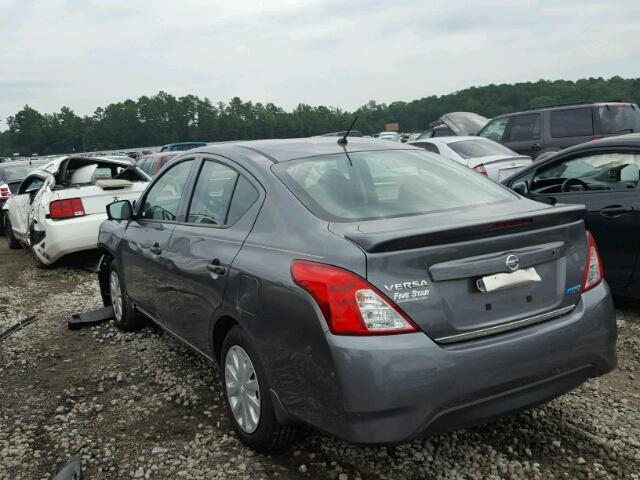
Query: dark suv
[546, 130]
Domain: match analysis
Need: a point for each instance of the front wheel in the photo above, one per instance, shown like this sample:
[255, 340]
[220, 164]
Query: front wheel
[246, 393]
[13, 243]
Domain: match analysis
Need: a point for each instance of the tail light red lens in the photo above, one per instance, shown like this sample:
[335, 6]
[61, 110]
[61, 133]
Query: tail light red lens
[69, 208]
[481, 170]
[594, 272]
[350, 305]
[4, 191]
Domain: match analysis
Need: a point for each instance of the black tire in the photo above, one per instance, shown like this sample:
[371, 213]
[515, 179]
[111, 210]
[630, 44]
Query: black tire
[12, 241]
[125, 315]
[269, 436]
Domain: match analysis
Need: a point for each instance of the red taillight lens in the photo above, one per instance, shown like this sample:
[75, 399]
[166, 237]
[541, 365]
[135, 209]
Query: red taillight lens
[4, 191]
[349, 304]
[594, 272]
[61, 209]
[481, 170]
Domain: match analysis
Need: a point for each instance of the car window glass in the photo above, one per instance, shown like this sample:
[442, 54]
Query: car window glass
[524, 127]
[31, 185]
[212, 194]
[244, 196]
[495, 129]
[429, 147]
[574, 122]
[385, 184]
[607, 171]
[619, 118]
[163, 198]
[15, 173]
[443, 132]
[479, 147]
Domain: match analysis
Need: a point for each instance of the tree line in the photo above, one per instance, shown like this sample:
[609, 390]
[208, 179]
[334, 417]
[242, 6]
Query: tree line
[164, 118]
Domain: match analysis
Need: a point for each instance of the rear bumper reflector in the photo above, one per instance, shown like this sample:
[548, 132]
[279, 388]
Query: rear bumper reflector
[505, 327]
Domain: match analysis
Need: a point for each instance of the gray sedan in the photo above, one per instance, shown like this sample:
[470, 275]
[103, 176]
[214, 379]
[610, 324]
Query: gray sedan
[371, 290]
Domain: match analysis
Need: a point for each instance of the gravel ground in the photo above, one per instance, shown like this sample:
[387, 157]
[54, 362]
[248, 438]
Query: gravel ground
[142, 406]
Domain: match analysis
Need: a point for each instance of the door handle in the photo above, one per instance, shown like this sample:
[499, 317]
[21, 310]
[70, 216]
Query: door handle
[614, 211]
[156, 250]
[535, 146]
[215, 267]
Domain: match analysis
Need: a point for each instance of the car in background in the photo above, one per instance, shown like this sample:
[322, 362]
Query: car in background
[59, 207]
[390, 136]
[455, 123]
[604, 176]
[368, 289]
[11, 175]
[540, 132]
[181, 147]
[151, 164]
[485, 156]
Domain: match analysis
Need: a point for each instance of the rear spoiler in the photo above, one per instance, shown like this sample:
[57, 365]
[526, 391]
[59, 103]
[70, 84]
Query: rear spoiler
[404, 239]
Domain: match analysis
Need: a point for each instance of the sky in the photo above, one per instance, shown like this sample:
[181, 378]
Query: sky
[86, 54]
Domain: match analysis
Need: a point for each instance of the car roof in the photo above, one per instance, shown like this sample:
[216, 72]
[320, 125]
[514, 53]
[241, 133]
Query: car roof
[560, 106]
[293, 148]
[451, 139]
[617, 141]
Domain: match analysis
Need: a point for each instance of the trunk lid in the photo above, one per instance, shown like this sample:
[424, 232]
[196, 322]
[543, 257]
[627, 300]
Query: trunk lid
[429, 265]
[96, 198]
[463, 123]
[501, 167]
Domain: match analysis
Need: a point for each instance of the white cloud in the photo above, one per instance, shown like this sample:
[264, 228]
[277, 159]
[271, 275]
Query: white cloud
[88, 54]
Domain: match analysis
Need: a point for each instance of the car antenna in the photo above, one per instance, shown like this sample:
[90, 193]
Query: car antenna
[343, 140]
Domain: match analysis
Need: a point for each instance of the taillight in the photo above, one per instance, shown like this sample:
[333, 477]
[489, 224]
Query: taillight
[69, 208]
[349, 304]
[594, 271]
[4, 191]
[481, 170]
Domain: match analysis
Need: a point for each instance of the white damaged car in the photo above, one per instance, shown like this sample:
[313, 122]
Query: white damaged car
[59, 207]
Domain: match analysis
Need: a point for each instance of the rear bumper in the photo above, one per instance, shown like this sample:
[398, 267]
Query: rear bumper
[68, 236]
[396, 388]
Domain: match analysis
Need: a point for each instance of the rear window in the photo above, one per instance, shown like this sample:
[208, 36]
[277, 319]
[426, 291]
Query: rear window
[15, 173]
[577, 122]
[479, 147]
[385, 184]
[619, 118]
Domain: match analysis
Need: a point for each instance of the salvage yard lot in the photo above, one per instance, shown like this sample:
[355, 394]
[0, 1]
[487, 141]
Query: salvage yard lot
[139, 405]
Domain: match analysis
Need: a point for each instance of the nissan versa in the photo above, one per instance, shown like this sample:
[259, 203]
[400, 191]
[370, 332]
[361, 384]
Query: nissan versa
[371, 290]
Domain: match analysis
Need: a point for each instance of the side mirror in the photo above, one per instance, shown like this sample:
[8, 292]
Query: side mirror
[121, 210]
[520, 188]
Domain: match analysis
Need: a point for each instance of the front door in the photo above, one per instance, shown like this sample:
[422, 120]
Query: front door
[21, 205]
[223, 205]
[608, 184]
[147, 236]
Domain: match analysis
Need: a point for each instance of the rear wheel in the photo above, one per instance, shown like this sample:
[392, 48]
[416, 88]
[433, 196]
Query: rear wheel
[247, 397]
[13, 243]
[124, 314]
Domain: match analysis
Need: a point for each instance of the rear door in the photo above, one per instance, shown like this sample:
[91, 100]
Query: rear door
[570, 126]
[145, 241]
[524, 134]
[221, 211]
[608, 185]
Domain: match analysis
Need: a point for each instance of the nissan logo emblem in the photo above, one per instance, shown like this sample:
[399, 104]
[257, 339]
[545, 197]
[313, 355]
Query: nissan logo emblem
[512, 262]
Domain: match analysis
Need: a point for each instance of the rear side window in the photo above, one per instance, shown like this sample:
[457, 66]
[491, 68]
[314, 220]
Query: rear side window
[443, 132]
[163, 198]
[221, 196]
[385, 184]
[495, 129]
[619, 118]
[524, 127]
[479, 147]
[429, 147]
[576, 122]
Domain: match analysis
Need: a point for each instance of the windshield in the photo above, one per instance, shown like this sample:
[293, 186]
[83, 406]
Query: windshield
[619, 118]
[479, 147]
[385, 184]
[15, 172]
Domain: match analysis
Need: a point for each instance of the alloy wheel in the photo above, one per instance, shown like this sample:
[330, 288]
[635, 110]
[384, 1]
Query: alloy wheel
[116, 295]
[242, 389]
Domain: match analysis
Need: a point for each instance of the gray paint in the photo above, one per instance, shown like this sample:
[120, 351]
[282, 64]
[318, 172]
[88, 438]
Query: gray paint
[380, 389]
